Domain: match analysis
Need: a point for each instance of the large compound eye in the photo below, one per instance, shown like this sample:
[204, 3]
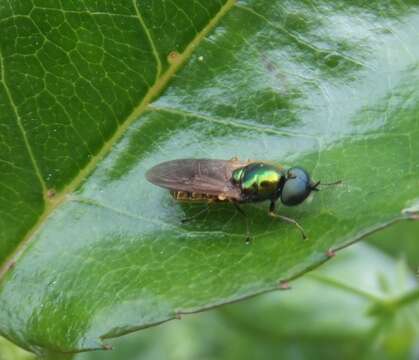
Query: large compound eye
[296, 187]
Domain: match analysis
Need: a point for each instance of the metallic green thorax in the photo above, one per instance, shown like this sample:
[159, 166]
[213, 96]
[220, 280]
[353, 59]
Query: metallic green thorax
[259, 181]
[238, 174]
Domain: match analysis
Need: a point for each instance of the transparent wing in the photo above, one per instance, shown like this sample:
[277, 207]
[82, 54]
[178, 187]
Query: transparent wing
[205, 176]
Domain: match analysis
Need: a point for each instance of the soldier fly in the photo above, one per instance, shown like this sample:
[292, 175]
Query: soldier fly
[234, 181]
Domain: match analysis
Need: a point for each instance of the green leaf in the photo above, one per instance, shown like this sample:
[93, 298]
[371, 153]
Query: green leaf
[297, 323]
[344, 316]
[9, 351]
[99, 252]
[406, 246]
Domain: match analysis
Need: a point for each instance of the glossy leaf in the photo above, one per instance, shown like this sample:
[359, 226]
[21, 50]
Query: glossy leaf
[331, 87]
[299, 322]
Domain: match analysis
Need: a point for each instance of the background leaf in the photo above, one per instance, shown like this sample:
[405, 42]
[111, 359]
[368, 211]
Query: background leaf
[297, 323]
[9, 351]
[400, 240]
[332, 87]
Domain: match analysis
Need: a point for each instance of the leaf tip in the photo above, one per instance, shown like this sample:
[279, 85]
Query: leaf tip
[107, 347]
[178, 315]
[330, 253]
[412, 211]
[50, 193]
[173, 57]
[284, 285]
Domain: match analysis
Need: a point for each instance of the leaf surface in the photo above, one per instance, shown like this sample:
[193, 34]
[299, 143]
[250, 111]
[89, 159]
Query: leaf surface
[331, 87]
[337, 324]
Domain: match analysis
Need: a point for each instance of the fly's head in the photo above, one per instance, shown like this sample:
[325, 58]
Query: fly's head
[298, 186]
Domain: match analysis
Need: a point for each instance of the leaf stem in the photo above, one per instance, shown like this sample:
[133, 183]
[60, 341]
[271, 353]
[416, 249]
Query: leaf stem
[342, 286]
[407, 299]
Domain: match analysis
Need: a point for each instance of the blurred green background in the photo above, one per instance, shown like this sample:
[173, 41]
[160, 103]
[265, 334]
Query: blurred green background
[363, 304]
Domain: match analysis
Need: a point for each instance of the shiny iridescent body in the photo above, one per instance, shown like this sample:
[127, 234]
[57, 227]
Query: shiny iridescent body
[234, 181]
[259, 181]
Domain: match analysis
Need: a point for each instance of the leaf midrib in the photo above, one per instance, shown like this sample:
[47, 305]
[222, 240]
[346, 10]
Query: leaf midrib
[54, 202]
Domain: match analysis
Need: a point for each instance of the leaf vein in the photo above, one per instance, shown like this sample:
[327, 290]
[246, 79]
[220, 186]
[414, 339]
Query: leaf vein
[302, 41]
[150, 39]
[137, 111]
[227, 123]
[22, 130]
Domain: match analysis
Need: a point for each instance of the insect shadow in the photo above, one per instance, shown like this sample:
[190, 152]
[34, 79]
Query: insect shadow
[245, 223]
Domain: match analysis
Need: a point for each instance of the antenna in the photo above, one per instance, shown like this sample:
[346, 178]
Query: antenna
[314, 187]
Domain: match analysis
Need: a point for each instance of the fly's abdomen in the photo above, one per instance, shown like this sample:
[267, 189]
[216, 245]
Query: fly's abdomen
[196, 197]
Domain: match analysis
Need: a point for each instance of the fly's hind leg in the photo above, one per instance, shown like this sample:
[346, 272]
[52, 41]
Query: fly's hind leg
[241, 211]
[285, 218]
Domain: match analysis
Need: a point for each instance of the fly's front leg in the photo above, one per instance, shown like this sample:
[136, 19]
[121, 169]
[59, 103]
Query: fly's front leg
[285, 218]
[241, 211]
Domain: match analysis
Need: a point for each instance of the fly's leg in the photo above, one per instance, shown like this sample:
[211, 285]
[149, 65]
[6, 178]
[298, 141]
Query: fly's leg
[285, 218]
[241, 211]
[204, 210]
